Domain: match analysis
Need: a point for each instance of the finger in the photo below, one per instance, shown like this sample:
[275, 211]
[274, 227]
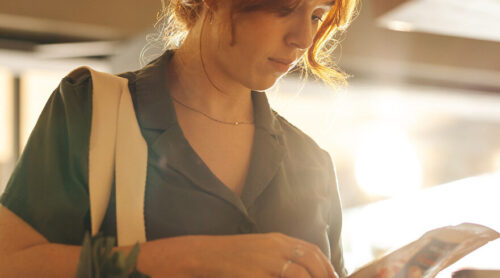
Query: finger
[323, 260]
[310, 261]
[326, 263]
[295, 271]
[312, 257]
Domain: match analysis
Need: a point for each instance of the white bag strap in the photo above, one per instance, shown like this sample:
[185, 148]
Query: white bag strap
[117, 149]
[130, 171]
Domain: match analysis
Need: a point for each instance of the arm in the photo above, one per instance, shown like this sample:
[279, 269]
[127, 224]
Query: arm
[46, 199]
[26, 253]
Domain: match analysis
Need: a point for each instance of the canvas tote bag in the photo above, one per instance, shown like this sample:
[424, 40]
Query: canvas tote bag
[118, 152]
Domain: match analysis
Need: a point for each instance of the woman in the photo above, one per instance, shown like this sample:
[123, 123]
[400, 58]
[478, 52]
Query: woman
[233, 189]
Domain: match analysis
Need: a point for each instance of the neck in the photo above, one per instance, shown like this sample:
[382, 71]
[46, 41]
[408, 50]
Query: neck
[202, 85]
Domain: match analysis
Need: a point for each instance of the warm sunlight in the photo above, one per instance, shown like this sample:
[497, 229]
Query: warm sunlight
[387, 163]
[6, 116]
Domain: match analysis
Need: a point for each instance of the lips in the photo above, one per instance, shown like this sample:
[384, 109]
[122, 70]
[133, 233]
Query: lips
[282, 65]
[283, 61]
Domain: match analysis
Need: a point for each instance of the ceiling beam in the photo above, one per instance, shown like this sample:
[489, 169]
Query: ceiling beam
[371, 50]
[110, 19]
[381, 7]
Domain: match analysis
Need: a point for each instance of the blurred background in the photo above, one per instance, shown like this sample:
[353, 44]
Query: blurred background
[415, 137]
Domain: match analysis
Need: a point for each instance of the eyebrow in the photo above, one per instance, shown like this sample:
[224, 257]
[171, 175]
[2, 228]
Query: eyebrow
[328, 4]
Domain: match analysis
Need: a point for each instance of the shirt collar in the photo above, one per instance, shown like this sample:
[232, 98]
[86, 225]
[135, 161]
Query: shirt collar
[156, 109]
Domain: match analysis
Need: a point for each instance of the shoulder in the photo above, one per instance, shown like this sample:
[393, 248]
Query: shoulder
[300, 146]
[52, 172]
[77, 79]
[81, 78]
[76, 88]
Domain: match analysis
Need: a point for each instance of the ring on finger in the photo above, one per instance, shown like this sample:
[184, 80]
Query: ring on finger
[297, 252]
[285, 266]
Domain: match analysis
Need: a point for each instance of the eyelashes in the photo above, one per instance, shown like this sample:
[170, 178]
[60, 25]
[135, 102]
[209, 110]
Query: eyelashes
[285, 11]
[317, 18]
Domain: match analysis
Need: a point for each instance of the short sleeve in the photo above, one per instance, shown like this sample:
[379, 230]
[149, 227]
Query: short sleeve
[335, 221]
[49, 186]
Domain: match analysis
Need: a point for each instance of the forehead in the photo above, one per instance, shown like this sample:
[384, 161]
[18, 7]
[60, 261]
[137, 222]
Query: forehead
[325, 4]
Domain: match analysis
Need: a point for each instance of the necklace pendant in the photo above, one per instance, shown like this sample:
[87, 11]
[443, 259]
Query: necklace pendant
[236, 123]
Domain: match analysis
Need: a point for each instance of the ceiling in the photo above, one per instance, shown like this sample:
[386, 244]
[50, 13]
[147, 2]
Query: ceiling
[479, 19]
[77, 20]
[448, 41]
[454, 58]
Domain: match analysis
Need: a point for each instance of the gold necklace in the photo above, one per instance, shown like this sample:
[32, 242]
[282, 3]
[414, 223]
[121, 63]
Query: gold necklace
[209, 79]
[210, 117]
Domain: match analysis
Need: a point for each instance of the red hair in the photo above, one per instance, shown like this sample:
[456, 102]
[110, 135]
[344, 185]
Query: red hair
[181, 15]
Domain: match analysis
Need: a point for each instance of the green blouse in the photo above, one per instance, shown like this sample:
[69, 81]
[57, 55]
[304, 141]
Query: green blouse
[291, 186]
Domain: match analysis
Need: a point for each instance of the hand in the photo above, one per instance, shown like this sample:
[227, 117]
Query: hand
[260, 255]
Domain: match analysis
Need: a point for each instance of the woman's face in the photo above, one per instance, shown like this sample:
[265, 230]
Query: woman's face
[266, 45]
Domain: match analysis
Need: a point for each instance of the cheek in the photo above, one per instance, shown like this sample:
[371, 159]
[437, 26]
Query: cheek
[256, 39]
[259, 32]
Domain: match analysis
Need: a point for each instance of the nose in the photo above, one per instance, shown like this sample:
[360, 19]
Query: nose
[301, 34]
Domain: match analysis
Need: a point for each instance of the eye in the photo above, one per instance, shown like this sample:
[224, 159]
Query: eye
[316, 18]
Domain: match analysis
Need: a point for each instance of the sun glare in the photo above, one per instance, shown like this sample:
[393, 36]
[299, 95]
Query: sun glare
[387, 163]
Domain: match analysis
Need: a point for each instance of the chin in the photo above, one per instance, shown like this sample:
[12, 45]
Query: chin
[266, 82]
[263, 87]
